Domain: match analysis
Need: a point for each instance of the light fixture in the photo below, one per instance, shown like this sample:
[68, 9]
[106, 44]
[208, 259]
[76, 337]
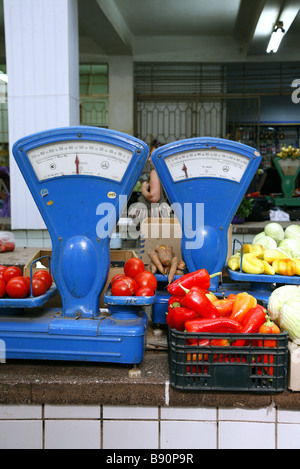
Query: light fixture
[276, 37]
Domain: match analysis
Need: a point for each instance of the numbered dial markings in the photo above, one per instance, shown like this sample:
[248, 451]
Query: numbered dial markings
[86, 158]
[207, 163]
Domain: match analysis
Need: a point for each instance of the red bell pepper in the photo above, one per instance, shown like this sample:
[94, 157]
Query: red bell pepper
[196, 300]
[177, 317]
[253, 319]
[213, 325]
[199, 278]
[174, 301]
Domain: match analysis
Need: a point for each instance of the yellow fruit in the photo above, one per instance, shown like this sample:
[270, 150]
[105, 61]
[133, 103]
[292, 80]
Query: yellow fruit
[252, 265]
[268, 269]
[270, 255]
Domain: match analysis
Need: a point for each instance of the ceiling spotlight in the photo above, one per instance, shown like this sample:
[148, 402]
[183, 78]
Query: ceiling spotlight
[276, 37]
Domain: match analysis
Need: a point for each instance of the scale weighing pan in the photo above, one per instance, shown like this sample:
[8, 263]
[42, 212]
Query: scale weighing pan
[205, 180]
[81, 179]
[262, 285]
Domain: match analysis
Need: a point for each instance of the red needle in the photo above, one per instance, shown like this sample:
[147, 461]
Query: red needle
[77, 164]
[184, 168]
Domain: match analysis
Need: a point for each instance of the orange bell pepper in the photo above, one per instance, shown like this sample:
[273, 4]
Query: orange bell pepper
[269, 327]
[224, 307]
[284, 267]
[243, 302]
[231, 296]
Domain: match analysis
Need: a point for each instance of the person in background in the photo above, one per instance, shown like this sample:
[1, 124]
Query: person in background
[151, 189]
[152, 201]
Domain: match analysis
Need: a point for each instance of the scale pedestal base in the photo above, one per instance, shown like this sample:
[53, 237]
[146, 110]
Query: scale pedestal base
[286, 201]
[46, 335]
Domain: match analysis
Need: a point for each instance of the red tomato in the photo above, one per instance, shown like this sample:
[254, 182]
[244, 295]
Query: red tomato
[44, 275]
[117, 277]
[146, 279]
[144, 291]
[39, 286]
[133, 267]
[2, 270]
[11, 272]
[17, 287]
[125, 286]
[2, 288]
[28, 282]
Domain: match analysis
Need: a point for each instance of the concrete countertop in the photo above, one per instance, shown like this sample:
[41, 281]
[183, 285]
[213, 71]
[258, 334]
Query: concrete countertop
[18, 257]
[48, 382]
[254, 227]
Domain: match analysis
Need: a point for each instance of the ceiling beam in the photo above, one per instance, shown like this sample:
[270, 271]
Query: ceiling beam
[113, 15]
[247, 19]
[98, 25]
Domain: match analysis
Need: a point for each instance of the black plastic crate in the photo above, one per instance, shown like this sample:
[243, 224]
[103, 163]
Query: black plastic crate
[198, 367]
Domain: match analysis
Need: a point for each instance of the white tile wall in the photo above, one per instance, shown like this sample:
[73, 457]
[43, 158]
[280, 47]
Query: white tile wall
[21, 434]
[130, 434]
[72, 434]
[129, 427]
[246, 435]
[186, 434]
[32, 238]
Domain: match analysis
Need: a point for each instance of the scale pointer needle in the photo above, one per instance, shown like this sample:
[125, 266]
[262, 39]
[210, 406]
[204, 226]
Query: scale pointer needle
[77, 164]
[184, 168]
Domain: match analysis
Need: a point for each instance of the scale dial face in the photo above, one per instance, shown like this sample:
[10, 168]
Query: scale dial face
[207, 163]
[74, 157]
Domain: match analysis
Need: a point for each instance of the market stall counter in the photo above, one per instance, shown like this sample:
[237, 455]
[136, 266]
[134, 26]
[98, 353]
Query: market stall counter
[32, 382]
[82, 383]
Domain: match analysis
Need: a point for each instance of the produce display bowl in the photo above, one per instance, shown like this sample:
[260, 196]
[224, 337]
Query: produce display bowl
[262, 278]
[110, 299]
[249, 368]
[29, 301]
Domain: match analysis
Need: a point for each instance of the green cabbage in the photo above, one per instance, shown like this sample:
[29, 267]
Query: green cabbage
[292, 231]
[267, 242]
[262, 234]
[290, 246]
[289, 319]
[284, 309]
[278, 297]
[275, 231]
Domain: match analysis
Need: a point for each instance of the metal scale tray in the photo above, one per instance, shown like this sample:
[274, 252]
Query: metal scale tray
[262, 285]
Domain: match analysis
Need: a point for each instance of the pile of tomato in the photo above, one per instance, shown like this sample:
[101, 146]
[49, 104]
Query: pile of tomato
[136, 280]
[14, 285]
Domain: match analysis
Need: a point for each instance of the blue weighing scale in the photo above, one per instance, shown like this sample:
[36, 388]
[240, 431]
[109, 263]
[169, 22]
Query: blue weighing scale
[80, 178]
[205, 180]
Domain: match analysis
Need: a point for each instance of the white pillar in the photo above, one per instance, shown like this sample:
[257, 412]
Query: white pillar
[42, 59]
